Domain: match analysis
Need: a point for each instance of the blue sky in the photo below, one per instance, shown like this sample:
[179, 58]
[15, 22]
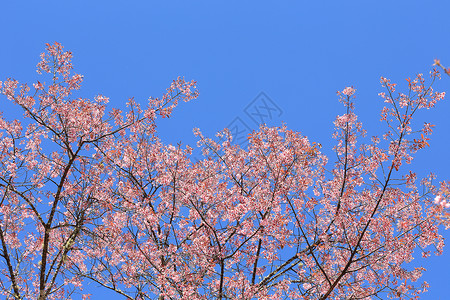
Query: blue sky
[297, 53]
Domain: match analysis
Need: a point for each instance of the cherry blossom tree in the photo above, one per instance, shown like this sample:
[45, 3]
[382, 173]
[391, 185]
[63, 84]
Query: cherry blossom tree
[53, 184]
[89, 197]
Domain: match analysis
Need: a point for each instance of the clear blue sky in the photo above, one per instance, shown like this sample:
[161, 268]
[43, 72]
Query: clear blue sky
[299, 53]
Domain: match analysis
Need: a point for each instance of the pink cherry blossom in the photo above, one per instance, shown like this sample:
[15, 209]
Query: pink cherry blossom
[93, 195]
